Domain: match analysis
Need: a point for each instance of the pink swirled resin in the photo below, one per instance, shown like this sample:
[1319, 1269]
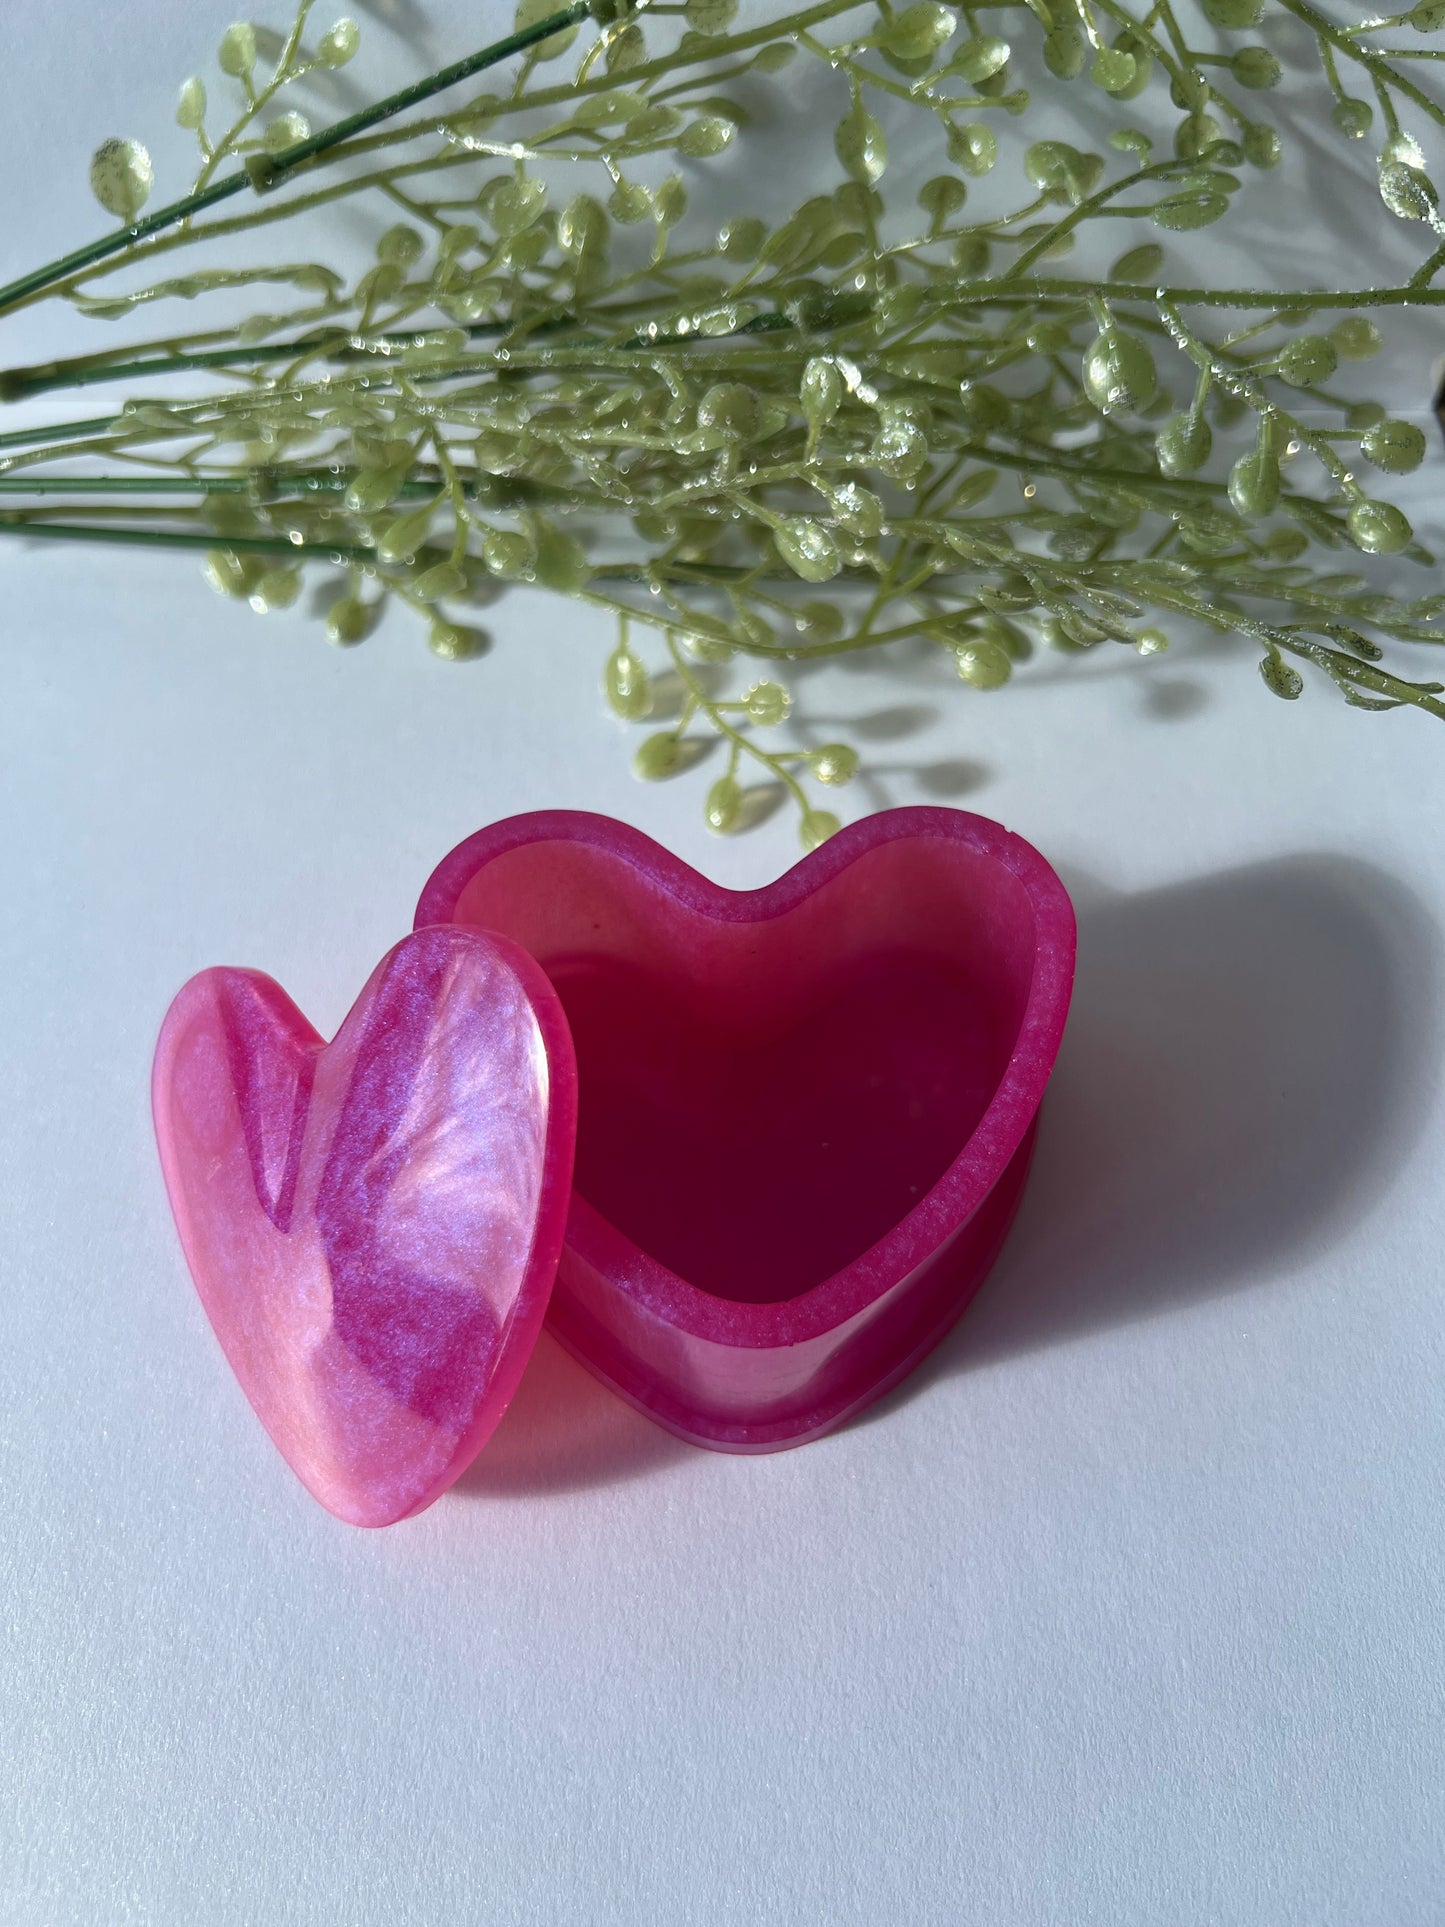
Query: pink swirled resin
[373, 1224]
[806, 1112]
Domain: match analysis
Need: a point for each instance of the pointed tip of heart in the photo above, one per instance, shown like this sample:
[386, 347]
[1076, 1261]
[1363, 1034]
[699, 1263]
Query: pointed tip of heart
[373, 1224]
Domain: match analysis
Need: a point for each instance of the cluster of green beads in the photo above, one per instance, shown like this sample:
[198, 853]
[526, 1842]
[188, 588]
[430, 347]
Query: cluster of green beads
[884, 416]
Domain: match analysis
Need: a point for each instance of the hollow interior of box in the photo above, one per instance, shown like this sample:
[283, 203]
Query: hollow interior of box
[761, 1101]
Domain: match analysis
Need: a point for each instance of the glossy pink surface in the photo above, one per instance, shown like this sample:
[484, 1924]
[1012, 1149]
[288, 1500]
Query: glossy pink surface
[806, 1112]
[373, 1224]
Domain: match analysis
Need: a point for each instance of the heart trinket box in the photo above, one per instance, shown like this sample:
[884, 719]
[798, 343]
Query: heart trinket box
[749, 1153]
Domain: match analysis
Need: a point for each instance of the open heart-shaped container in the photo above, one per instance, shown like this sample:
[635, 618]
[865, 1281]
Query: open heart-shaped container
[796, 1124]
[805, 1112]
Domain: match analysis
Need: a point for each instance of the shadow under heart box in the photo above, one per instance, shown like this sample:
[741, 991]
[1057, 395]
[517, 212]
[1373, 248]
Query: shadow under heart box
[749, 1154]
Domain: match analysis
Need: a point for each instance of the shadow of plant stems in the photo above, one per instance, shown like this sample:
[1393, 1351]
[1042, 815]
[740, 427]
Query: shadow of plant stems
[1248, 1061]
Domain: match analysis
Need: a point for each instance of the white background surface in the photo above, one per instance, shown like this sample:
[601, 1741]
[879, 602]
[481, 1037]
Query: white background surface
[1128, 1609]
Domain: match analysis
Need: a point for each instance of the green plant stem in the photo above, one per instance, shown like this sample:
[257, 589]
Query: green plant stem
[1378, 67]
[86, 371]
[183, 539]
[269, 171]
[59, 431]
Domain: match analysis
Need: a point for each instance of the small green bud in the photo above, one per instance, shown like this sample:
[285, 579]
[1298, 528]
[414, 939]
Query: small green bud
[191, 103]
[659, 756]
[1189, 89]
[1195, 134]
[940, 197]
[400, 246]
[834, 763]
[856, 509]
[1048, 337]
[339, 43]
[900, 448]
[559, 561]
[971, 254]
[1142, 54]
[708, 648]
[985, 408]
[918, 32]
[121, 177]
[669, 201]
[276, 588]
[1394, 446]
[982, 58]
[1286, 545]
[1139, 264]
[1187, 209]
[1233, 16]
[816, 827]
[1407, 192]
[711, 17]
[627, 685]
[347, 621]
[1207, 533]
[401, 539]
[1254, 484]
[285, 131]
[808, 547]
[1256, 67]
[973, 147]
[730, 406]
[820, 392]
[742, 239]
[1261, 145]
[1119, 372]
[1279, 678]
[1065, 51]
[724, 805]
[507, 553]
[1378, 528]
[441, 580]
[1183, 444]
[1009, 637]
[231, 573]
[629, 203]
[531, 13]
[818, 621]
[767, 703]
[707, 135]
[1050, 163]
[1113, 70]
[860, 144]
[453, 644]
[1356, 337]
[983, 664]
[373, 488]
[1353, 118]
[1308, 360]
[626, 47]
[236, 54]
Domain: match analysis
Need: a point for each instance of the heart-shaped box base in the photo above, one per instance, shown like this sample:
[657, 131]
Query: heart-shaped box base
[805, 1112]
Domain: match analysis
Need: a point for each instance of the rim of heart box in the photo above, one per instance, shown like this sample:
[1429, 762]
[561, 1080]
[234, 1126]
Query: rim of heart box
[944, 1211]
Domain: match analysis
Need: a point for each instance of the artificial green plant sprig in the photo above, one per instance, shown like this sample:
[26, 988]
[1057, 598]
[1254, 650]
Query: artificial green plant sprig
[763, 441]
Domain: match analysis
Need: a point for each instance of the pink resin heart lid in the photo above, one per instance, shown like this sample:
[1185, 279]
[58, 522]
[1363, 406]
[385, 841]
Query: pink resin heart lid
[806, 1112]
[373, 1224]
